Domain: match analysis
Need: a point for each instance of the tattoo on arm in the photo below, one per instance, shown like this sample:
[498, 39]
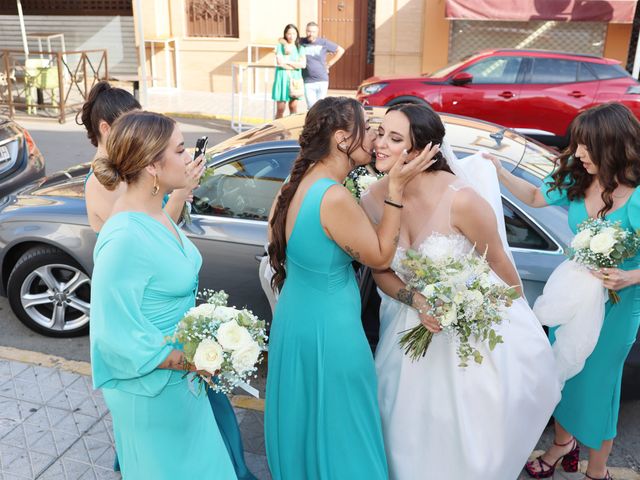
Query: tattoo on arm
[396, 240]
[405, 296]
[352, 253]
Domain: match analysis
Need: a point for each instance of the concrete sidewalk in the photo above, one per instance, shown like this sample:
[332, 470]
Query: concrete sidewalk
[53, 425]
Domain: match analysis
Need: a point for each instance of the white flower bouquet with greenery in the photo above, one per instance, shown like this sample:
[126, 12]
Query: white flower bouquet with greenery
[601, 243]
[220, 340]
[465, 299]
[360, 179]
[573, 300]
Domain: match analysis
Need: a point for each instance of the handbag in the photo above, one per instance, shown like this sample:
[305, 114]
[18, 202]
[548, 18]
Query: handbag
[296, 87]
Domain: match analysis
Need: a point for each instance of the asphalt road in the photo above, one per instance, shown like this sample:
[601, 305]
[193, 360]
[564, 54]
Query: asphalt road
[66, 145]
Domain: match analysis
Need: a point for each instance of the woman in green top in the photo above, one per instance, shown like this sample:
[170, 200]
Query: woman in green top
[597, 177]
[291, 60]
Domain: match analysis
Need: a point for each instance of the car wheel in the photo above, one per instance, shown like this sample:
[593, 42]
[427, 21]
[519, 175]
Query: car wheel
[406, 99]
[50, 293]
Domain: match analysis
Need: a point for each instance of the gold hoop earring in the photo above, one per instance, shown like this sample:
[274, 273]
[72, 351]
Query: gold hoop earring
[156, 186]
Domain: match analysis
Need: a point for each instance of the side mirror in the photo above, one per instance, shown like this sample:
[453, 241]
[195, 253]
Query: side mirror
[461, 78]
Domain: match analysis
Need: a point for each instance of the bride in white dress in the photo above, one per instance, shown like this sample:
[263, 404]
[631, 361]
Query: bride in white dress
[441, 421]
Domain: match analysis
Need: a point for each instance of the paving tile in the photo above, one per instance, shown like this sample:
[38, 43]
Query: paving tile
[40, 462]
[258, 466]
[252, 427]
[54, 472]
[15, 461]
[73, 469]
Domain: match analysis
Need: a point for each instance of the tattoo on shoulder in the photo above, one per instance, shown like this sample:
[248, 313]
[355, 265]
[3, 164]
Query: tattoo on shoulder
[352, 253]
[405, 296]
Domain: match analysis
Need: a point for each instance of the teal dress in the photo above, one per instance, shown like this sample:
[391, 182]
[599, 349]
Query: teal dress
[591, 400]
[224, 414]
[164, 428]
[321, 419]
[280, 89]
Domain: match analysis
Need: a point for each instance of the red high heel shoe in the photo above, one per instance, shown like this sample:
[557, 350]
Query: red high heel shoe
[606, 477]
[569, 462]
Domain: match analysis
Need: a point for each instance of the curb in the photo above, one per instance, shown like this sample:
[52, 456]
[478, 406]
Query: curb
[84, 368]
[213, 116]
[618, 473]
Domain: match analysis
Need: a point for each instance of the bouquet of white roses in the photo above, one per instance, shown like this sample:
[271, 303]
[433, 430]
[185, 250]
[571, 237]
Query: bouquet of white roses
[464, 299]
[359, 180]
[601, 243]
[221, 340]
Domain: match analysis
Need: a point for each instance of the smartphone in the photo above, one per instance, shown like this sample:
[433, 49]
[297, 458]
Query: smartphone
[201, 147]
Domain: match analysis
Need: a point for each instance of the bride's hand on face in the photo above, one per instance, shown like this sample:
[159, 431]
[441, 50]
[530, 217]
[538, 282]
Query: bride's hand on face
[404, 169]
[429, 322]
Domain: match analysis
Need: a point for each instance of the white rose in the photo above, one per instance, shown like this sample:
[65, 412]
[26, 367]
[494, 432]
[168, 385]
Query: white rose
[474, 298]
[246, 357]
[365, 181]
[204, 310]
[449, 317]
[582, 239]
[603, 242]
[428, 291]
[208, 356]
[232, 336]
[226, 314]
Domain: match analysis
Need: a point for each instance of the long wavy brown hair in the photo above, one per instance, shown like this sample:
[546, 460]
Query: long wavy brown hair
[611, 134]
[323, 120]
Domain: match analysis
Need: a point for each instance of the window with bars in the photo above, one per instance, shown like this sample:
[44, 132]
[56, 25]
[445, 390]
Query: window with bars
[212, 18]
[68, 7]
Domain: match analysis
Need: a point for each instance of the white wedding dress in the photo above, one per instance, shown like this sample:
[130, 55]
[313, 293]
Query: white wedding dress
[444, 422]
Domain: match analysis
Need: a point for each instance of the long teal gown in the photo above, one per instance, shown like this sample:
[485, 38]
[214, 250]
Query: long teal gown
[321, 419]
[144, 280]
[591, 400]
[224, 414]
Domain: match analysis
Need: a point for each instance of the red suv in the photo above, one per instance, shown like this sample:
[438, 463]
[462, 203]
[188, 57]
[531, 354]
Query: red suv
[535, 92]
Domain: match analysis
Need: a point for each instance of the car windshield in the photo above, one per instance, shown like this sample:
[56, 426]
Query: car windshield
[443, 72]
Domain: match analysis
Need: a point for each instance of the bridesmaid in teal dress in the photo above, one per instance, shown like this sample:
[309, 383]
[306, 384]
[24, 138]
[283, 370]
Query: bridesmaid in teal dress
[322, 419]
[164, 428]
[290, 59]
[598, 176]
[103, 106]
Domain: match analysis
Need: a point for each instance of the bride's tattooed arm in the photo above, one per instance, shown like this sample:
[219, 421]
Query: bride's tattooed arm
[405, 295]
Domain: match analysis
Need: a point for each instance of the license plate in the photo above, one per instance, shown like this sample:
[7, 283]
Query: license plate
[4, 154]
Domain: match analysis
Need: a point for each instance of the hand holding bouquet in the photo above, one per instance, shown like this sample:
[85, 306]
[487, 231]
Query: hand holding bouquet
[601, 243]
[464, 299]
[221, 340]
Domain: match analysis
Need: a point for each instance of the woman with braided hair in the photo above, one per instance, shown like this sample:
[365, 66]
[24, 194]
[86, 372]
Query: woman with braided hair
[322, 419]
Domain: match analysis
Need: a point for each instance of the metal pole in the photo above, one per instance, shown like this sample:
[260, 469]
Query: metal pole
[142, 54]
[23, 30]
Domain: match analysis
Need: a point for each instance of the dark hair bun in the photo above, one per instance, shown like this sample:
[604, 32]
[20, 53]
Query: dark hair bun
[104, 103]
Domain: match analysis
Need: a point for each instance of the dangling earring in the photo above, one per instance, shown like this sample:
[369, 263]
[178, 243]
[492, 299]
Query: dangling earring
[156, 187]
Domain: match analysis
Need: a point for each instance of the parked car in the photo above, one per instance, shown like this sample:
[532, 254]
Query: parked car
[20, 160]
[538, 93]
[46, 244]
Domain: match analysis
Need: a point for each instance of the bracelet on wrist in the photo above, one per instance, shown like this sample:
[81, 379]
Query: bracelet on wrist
[393, 204]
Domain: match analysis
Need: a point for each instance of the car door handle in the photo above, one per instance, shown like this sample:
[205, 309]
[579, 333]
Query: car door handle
[577, 94]
[506, 94]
